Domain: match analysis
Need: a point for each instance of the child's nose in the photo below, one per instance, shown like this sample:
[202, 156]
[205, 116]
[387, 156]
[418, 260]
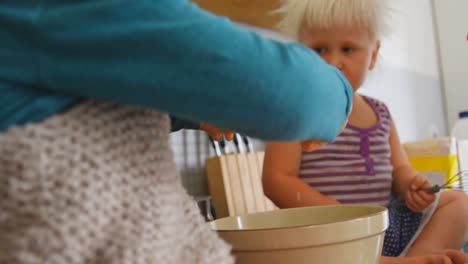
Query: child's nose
[335, 59]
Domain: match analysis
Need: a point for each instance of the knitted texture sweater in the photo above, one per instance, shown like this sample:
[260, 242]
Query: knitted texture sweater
[98, 184]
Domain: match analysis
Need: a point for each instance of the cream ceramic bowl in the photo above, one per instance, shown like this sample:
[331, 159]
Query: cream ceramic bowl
[350, 234]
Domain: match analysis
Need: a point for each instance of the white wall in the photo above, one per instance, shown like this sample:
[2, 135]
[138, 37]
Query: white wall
[412, 42]
[452, 26]
[408, 78]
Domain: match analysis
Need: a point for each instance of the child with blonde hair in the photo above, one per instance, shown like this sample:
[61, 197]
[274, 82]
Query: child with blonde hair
[366, 164]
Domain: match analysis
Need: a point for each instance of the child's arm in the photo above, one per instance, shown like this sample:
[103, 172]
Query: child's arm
[407, 181]
[281, 182]
[403, 173]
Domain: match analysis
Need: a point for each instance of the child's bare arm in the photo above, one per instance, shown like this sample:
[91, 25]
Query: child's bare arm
[281, 182]
[407, 181]
[403, 172]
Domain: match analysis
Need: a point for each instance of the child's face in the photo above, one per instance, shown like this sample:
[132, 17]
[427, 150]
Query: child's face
[353, 51]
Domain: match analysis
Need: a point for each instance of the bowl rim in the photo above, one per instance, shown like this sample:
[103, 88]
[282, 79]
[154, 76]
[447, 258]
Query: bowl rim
[213, 223]
[305, 236]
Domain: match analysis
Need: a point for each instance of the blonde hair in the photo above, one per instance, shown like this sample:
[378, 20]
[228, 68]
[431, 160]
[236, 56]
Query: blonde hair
[326, 14]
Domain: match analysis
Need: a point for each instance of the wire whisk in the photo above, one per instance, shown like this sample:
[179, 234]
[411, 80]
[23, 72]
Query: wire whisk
[455, 183]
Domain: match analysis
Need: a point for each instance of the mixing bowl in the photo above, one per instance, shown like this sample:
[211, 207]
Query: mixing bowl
[320, 234]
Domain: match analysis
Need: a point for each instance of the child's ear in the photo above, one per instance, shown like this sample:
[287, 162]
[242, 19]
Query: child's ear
[375, 54]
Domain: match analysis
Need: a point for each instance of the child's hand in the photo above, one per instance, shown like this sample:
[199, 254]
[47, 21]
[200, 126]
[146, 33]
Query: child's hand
[416, 198]
[308, 146]
[311, 145]
[217, 133]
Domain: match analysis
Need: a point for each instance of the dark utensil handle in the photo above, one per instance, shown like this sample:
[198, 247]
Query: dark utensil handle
[248, 143]
[215, 145]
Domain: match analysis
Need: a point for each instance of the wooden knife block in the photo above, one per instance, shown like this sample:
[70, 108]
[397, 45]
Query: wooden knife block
[235, 184]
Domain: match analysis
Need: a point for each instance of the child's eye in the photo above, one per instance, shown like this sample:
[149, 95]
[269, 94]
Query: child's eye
[347, 50]
[320, 50]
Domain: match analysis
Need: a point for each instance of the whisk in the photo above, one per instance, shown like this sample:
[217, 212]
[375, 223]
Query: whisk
[459, 178]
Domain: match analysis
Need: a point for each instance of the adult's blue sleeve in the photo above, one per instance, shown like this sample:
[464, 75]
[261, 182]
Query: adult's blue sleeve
[174, 57]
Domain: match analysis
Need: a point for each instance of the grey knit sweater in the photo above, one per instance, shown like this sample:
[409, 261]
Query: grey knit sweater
[98, 184]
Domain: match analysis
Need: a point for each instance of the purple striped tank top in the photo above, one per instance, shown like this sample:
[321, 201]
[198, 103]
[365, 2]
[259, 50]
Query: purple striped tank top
[356, 168]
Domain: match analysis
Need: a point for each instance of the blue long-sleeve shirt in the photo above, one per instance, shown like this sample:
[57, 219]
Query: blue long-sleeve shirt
[167, 55]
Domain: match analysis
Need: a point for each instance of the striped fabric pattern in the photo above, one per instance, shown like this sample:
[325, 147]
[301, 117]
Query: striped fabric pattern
[356, 168]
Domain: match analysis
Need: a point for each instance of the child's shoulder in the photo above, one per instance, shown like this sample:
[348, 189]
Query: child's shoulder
[376, 103]
[373, 100]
